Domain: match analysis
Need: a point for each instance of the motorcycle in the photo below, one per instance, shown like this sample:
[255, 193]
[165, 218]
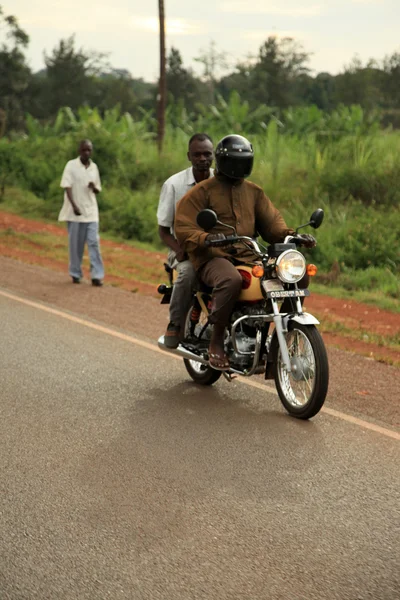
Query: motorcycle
[268, 332]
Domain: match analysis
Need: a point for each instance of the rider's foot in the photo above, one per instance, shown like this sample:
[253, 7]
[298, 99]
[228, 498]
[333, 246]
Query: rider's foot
[217, 357]
[172, 335]
[219, 361]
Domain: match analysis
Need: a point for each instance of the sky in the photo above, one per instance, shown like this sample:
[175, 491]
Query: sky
[334, 31]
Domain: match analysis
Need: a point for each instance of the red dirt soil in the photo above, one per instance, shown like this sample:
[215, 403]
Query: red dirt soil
[352, 315]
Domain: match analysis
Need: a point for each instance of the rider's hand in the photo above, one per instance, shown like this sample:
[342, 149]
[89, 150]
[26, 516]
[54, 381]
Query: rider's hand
[306, 240]
[215, 237]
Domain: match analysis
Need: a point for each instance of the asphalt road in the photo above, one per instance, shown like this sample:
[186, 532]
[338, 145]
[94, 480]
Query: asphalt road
[121, 479]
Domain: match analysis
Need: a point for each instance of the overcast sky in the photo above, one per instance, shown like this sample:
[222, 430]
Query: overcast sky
[333, 30]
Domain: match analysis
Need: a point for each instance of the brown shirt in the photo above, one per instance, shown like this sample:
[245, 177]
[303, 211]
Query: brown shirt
[243, 206]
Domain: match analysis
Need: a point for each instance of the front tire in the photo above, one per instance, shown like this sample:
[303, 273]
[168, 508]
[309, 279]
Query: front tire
[303, 391]
[201, 374]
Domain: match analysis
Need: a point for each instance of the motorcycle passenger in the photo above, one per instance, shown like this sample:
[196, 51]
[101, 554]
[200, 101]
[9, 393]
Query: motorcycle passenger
[200, 154]
[240, 204]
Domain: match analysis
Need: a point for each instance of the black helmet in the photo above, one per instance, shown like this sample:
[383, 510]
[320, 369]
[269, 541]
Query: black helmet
[234, 157]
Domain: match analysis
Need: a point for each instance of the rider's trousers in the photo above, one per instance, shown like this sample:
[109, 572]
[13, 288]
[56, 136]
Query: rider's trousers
[226, 281]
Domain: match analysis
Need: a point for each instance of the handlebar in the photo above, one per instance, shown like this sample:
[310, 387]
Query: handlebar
[298, 239]
[230, 239]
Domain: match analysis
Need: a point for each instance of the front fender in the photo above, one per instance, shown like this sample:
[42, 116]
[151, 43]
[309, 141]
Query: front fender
[304, 319]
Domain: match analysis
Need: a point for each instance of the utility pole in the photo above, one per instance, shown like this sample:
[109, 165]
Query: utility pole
[162, 86]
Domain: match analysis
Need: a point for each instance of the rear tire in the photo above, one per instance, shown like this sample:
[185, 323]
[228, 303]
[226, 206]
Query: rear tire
[302, 393]
[201, 374]
[204, 375]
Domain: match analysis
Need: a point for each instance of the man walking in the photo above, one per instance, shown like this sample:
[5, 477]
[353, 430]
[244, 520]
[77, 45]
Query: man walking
[81, 182]
[200, 154]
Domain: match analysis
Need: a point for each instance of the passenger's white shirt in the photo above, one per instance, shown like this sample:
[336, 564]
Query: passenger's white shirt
[171, 192]
[78, 177]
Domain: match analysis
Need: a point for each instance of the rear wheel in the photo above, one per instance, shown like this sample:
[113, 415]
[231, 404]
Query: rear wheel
[202, 374]
[303, 390]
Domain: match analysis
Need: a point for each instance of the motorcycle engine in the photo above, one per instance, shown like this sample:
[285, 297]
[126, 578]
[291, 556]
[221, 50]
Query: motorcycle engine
[249, 327]
[245, 335]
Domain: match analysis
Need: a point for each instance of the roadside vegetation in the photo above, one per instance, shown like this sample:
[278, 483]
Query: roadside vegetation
[320, 140]
[340, 162]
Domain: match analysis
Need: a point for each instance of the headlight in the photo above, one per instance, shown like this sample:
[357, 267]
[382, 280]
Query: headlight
[290, 266]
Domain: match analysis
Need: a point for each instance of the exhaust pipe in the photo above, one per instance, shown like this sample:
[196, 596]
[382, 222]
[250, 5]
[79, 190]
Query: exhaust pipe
[188, 355]
[182, 352]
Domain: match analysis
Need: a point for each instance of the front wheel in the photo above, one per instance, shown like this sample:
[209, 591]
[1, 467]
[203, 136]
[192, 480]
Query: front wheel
[303, 390]
[202, 374]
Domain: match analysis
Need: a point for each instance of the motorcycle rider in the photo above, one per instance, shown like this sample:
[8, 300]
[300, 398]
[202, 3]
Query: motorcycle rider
[200, 154]
[240, 204]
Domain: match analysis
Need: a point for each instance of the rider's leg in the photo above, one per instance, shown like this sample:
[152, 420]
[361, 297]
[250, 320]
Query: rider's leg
[221, 275]
[180, 302]
[181, 294]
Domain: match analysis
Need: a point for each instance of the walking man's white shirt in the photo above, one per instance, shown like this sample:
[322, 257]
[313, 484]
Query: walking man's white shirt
[77, 177]
[83, 228]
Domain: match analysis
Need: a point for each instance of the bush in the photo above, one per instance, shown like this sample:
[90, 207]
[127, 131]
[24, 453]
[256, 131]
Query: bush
[131, 214]
[353, 173]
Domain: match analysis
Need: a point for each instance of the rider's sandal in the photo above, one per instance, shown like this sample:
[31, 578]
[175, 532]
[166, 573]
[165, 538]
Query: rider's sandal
[218, 362]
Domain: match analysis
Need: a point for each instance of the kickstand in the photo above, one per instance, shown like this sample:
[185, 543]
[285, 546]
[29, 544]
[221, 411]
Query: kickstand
[228, 376]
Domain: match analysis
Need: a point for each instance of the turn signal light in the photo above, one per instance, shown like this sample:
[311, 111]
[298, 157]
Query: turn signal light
[311, 270]
[257, 271]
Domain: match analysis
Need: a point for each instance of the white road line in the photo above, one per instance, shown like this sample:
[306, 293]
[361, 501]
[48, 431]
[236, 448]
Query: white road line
[129, 338]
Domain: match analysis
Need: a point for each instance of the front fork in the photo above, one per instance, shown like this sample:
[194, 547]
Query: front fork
[281, 327]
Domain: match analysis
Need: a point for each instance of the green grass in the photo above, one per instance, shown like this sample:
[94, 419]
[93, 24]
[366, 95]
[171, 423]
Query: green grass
[366, 285]
[355, 178]
[375, 298]
[387, 342]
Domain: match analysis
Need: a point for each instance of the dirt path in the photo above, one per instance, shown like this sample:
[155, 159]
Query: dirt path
[355, 325]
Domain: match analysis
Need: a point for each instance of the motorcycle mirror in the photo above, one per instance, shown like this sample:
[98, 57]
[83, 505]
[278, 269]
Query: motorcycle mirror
[207, 219]
[316, 218]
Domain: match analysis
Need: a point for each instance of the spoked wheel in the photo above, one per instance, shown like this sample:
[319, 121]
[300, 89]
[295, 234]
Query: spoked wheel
[202, 374]
[303, 390]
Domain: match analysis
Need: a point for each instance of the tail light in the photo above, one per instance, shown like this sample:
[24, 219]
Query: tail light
[246, 279]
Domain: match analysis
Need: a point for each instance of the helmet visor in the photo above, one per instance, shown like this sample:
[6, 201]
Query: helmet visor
[236, 167]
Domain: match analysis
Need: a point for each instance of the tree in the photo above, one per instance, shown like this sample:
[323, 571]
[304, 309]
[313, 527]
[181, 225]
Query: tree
[162, 86]
[279, 65]
[391, 86]
[322, 91]
[212, 61]
[360, 84]
[112, 89]
[182, 85]
[14, 72]
[70, 75]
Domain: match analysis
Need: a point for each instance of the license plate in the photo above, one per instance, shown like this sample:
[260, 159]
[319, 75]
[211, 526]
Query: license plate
[272, 285]
[289, 294]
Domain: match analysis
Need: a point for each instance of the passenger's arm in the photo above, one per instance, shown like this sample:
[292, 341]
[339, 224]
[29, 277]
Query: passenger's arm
[169, 240]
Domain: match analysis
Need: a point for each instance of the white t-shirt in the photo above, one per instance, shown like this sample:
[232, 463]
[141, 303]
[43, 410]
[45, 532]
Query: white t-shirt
[78, 177]
[171, 192]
